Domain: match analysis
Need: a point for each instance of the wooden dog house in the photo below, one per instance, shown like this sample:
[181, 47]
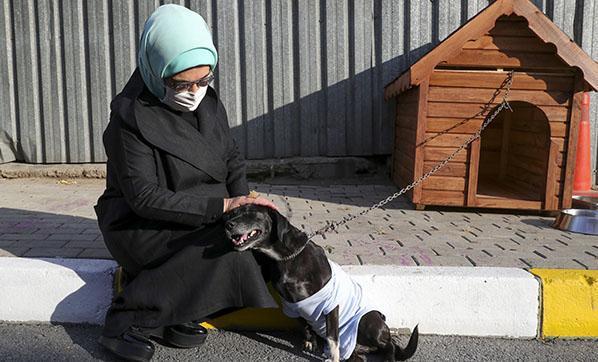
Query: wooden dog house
[525, 158]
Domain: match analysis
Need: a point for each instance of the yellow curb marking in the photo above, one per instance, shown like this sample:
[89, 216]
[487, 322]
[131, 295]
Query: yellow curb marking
[252, 319]
[570, 302]
[255, 318]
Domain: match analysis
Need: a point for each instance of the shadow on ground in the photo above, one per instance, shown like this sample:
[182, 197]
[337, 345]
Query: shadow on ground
[47, 236]
[24, 232]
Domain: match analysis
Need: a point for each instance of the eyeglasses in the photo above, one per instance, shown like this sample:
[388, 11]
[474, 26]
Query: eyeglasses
[180, 86]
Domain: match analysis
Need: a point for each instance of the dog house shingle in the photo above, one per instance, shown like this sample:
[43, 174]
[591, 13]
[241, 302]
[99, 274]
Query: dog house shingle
[525, 158]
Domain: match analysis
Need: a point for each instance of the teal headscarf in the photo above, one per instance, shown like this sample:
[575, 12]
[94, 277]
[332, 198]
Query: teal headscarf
[174, 39]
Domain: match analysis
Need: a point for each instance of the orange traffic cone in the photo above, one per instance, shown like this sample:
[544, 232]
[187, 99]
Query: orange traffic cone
[582, 179]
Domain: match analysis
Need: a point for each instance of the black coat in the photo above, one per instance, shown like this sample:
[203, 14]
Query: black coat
[160, 213]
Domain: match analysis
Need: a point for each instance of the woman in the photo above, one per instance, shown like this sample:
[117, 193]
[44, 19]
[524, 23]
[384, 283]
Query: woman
[173, 169]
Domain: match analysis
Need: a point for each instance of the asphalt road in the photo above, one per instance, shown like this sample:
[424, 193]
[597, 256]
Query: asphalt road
[20, 342]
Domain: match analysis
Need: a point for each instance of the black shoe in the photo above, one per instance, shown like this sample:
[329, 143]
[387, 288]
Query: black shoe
[186, 335]
[131, 345]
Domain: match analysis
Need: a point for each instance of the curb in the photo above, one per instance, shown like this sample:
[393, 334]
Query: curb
[454, 300]
[498, 302]
[570, 302]
[301, 168]
[55, 290]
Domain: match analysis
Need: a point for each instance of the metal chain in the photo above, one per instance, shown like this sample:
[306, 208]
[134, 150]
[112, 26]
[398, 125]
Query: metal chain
[504, 104]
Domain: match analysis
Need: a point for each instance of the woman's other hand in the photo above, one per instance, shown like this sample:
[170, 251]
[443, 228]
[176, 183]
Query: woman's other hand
[231, 203]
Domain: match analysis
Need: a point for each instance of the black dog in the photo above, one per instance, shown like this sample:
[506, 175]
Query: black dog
[300, 269]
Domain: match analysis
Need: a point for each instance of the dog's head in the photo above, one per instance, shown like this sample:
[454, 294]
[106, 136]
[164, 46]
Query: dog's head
[261, 228]
[249, 226]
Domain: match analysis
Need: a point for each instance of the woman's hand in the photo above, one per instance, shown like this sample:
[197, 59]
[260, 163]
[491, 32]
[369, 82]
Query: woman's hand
[231, 203]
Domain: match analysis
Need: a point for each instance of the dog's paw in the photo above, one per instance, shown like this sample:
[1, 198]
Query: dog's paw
[308, 346]
[310, 343]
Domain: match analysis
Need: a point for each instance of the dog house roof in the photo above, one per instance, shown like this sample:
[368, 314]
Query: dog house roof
[483, 22]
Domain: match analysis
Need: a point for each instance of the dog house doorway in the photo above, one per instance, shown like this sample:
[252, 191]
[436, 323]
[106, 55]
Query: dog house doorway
[513, 158]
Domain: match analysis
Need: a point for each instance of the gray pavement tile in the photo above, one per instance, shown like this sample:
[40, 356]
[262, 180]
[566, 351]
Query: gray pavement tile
[587, 262]
[95, 253]
[92, 230]
[91, 226]
[481, 261]
[6, 223]
[587, 240]
[84, 244]
[575, 262]
[425, 251]
[414, 239]
[401, 260]
[40, 243]
[70, 237]
[509, 253]
[591, 253]
[578, 249]
[46, 230]
[18, 230]
[24, 236]
[472, 255]
[4, 243]
[337, 239]
[388, 244]
[331, 248]
[365, 250]
[299, 207]
[395, 234]
[550, 246]
[48, 225]
[74, 222]
[533, 261]
[53, 252]
[351, 235]
[55, 218]
[420, 257]
[42, 222]
[12, 219]
[570, 262]
[441, 250]
[12, 251]
[453, 260]
[344, 257]
[69, 230]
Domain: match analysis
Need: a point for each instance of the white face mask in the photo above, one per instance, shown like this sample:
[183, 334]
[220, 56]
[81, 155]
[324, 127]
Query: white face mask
[184, 101]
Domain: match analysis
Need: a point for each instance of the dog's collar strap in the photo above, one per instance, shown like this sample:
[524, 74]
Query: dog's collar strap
[292, 256]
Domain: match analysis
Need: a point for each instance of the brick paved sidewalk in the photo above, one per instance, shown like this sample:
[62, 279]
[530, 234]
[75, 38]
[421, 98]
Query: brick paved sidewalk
[49, 218]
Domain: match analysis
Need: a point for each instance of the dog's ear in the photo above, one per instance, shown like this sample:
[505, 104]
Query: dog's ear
[284, 231]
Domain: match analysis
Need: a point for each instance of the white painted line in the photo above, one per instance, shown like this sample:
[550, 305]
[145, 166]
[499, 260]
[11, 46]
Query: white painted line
[55, 290]
[454, 300]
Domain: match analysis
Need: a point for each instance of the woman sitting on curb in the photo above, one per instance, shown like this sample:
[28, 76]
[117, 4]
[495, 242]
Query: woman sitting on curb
[173, 170]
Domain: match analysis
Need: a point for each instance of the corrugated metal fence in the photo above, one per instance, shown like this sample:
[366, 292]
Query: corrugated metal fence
[298, 78]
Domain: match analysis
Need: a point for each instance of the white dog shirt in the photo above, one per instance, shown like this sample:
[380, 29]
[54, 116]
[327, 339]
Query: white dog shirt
[340, 290]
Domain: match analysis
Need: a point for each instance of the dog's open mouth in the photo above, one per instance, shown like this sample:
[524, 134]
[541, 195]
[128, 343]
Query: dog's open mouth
[241, 239]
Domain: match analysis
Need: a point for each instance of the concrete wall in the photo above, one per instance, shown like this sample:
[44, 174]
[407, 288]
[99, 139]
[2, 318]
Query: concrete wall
[298, 78]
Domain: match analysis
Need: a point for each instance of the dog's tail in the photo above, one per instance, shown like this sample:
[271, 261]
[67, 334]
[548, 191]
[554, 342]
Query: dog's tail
[403, 354]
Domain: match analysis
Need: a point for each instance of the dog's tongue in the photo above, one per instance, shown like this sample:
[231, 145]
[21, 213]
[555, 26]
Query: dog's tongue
[242, 239]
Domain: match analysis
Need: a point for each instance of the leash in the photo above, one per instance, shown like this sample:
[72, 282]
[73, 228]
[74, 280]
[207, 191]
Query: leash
[507, 83]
